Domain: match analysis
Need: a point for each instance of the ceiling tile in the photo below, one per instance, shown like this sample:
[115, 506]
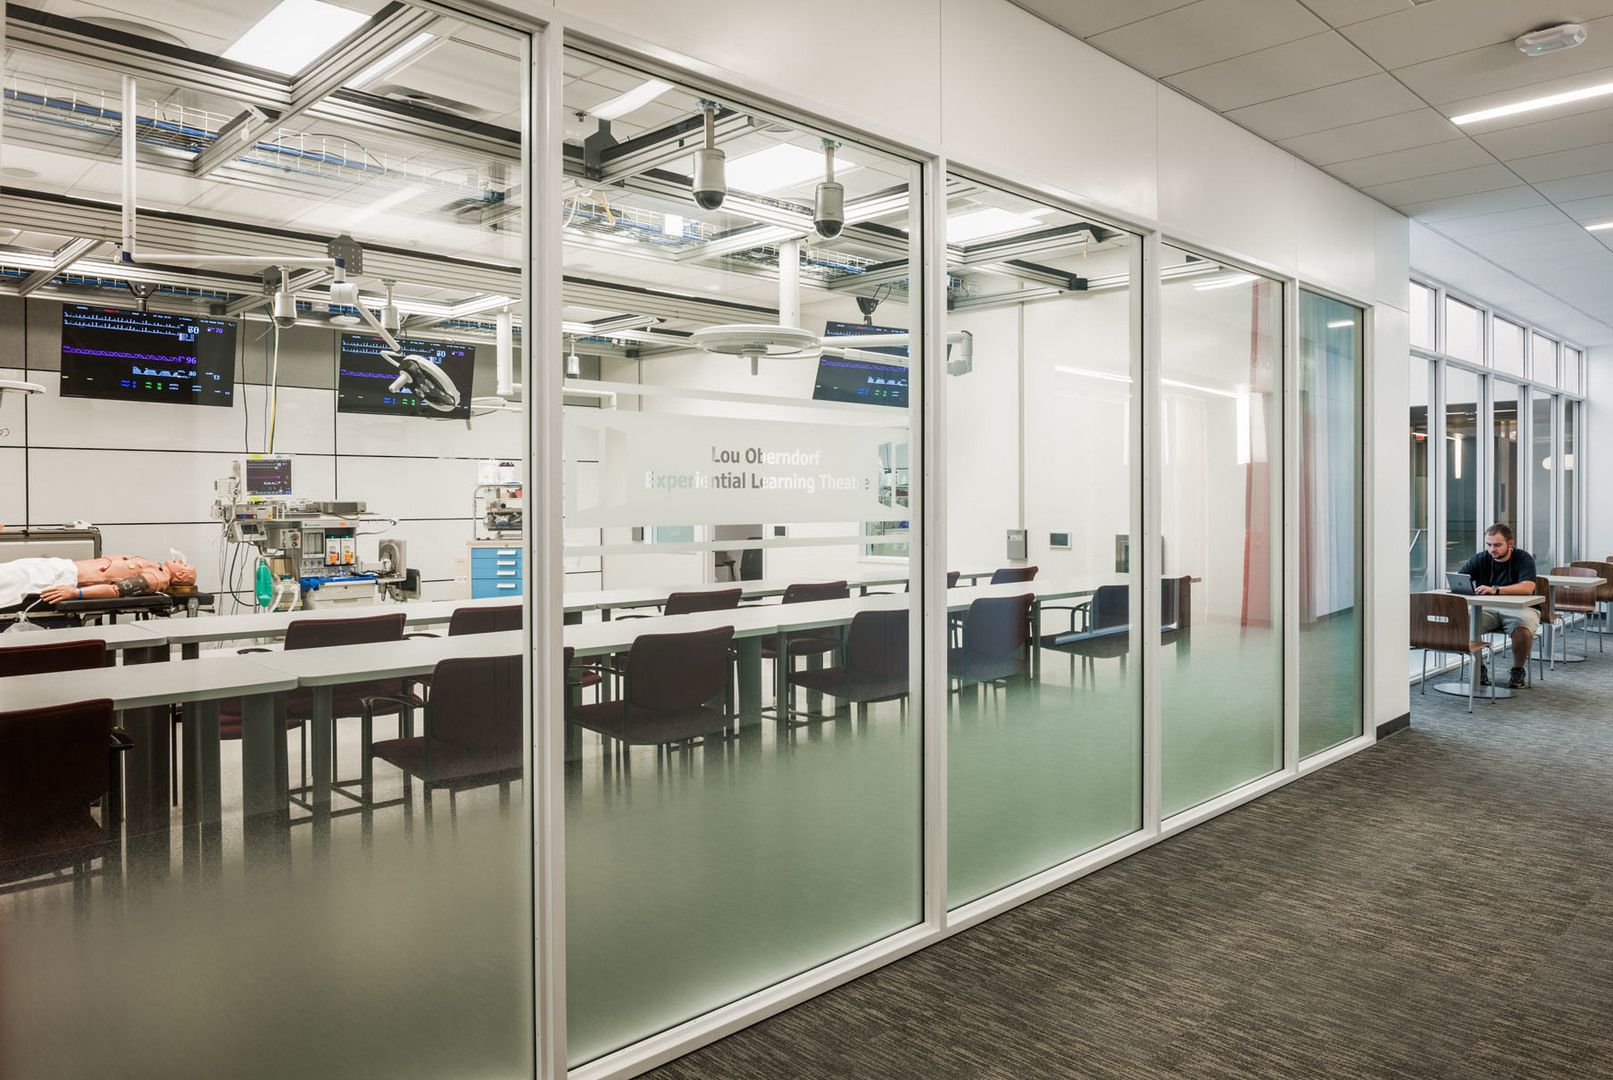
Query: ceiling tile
[1330, 107]
[1440, 29]
[1577, 187]
[1406, 164]
[1282, 70]
[1599, 208]
[1505, 221]
[1345, 12]
[1444, 185]
[1565, 163]
[1083, 18]
[1502, 69]
[1550, 136]
[1380, 136]
[1486, 202]
[1206, 33]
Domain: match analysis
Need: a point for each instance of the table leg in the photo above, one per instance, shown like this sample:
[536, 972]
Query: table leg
[263, 741]
[319, 743]
[750, 680]
[203, 800]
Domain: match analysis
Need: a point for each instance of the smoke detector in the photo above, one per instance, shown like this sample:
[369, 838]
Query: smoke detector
[1550, 40]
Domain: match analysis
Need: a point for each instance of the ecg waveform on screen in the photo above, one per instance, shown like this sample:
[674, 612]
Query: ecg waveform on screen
[117, 355]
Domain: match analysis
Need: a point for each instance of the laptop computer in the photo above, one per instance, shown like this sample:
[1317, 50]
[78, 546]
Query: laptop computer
[1460, 584]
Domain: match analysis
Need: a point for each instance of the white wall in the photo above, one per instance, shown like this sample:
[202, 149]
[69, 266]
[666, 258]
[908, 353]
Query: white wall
[143, 472]
[994, 88]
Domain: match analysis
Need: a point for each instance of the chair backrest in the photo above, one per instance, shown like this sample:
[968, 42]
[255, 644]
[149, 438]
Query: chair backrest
[806, 593]
[324, 633]
[1602, 570]
[52, 656]
[1548, 612]
[1176, 603]
[1572, 597]
[1111, 607]
[484, 620]
[996, 629]
[1439, 622]
[750, 563]
[876, 645]
[53, 762]
[952, 578]
[1013, 575]
[687, 603]
[476, 705]
[678, 672]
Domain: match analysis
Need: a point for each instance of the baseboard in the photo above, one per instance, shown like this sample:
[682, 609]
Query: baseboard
[1390, 727]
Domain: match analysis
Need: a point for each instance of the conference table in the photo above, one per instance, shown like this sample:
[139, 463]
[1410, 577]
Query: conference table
[119, 637]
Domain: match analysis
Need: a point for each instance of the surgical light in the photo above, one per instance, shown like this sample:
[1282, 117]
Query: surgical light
[294, 35]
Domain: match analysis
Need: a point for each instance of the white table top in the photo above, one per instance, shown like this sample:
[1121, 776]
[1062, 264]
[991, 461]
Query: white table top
[654, 596]
[1569, 579]
[138, 686]
[205, 628]
[117, 636]
[1498, 600]
[386, 659]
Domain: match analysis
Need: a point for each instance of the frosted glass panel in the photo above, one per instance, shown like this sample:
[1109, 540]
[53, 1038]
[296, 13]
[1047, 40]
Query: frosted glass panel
[1464, 331]
[743, 783]
[1422, 316]
[1329, 523]
[1044, 762]
[1509, 347]
[1220, 424]
[1543, 359]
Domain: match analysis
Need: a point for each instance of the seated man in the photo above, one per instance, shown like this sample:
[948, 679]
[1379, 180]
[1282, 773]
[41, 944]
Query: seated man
[1504, 568]
[106, 578]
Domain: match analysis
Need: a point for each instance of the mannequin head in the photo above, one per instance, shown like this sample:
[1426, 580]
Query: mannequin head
[180, 573]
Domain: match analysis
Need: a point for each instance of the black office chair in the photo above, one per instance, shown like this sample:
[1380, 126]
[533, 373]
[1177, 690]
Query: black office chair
[1013, 575]
[995, 642]
[668, 685]
[875, 666]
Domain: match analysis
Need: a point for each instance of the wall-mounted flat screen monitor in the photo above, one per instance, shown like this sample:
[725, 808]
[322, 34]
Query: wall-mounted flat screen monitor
[123, 355]
[864, 382]
[364, 378]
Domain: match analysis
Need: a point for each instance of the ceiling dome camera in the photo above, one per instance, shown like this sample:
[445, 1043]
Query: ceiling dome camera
[829, 209]
[710, 178]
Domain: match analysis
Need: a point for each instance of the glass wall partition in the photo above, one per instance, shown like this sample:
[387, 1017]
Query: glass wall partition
[1570, 460]
[1329, 461]
[319, 867]
[1421, 541]
[1461, 474]
[1045, 745]
[1543, 359]
[1504, 453]
[743, 774]
[1424, 307]
[1464, 331]
[1220, 423]
[1541, 539]
[1509, 346]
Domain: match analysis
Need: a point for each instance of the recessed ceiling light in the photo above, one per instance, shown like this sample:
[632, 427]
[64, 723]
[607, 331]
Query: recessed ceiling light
[1226, 282]
[992, 221]
[636, 98]
[1599, 226]
[294, 34]
[783, 165]
[1530, 105]
[394, 60]
[17, 172]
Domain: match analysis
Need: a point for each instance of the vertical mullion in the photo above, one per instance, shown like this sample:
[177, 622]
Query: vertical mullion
[540, 359]
[1287, 512]
[1146, 566]
[1437, 525]
[925, 223]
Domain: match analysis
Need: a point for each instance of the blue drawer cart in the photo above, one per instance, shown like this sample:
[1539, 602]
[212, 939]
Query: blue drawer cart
[495, 569]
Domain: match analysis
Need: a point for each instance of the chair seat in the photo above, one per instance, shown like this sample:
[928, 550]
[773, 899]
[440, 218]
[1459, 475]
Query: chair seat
[838, 683]
[960, 665]
[1109, 642]
[582, 676]
[51, 845]
[449, 763]
[637, 726]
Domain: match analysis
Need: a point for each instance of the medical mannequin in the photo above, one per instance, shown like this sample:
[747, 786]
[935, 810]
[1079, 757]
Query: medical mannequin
[106, 578]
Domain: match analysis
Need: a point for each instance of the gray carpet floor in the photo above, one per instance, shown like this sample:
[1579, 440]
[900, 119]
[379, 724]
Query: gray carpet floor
[1438, 906]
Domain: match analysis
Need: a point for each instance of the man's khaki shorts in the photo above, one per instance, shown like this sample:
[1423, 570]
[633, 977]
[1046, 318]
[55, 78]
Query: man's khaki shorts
[1528, 618]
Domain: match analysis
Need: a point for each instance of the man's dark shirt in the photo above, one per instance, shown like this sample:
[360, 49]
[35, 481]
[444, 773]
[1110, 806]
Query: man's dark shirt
[1486, 571]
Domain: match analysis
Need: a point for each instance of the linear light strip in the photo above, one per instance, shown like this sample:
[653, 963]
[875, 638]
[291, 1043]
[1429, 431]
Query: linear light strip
[1532, 104]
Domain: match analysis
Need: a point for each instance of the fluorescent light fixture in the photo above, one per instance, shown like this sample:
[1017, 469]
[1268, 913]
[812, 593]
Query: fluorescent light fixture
[294, 35]
[992, 221]
[1456, 458]
[1599, 226]
[636, 98]
[1530, 105]
[1340, 324]
[782, 165]
[381, 205]
[393, 60]
[672, 224]
[1224, 282]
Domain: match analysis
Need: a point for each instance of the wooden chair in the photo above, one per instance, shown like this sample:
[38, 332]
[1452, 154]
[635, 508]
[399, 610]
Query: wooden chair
[1440, 624]
[1604, 598]
[1573, 600]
